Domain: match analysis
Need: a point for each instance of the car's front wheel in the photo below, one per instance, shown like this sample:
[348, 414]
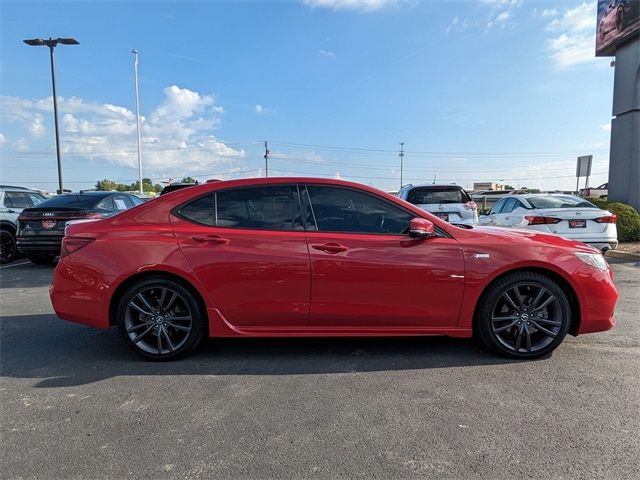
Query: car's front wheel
[523, 315]
[161, 319]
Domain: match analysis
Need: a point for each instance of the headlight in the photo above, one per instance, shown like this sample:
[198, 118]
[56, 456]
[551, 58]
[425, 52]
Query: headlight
[596, 260]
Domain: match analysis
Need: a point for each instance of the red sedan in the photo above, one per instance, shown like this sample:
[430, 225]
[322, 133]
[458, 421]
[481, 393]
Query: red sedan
[315, 257]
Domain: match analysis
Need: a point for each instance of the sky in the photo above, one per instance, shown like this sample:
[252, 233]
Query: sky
[487, 90]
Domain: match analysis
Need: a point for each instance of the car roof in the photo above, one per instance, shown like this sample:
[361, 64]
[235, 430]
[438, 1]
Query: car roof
[11, 187]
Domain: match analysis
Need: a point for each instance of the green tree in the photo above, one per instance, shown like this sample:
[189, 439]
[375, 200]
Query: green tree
[106, 185]
[158, 188]
[188, 180]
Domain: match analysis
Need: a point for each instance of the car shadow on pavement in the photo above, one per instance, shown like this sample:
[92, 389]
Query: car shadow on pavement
[61, 354]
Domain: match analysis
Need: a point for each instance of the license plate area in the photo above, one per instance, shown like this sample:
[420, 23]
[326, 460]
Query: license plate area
[49, 224]
[577, 224]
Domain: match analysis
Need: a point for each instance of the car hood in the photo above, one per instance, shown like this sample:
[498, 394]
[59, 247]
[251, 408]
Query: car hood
[530, 237]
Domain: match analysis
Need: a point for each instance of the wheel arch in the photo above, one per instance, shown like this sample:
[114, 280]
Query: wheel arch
[137, 277]
[562, 282]
[7, 225]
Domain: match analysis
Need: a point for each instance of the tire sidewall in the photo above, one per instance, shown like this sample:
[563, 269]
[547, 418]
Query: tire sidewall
[483, 321]
[198, 328]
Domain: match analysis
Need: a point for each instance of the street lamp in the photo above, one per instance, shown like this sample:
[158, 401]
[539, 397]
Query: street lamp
[135, 75]
[52, 43]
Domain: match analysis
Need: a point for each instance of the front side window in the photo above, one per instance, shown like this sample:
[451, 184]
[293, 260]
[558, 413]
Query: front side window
[497, 208]
[337, 209]
[510, 205]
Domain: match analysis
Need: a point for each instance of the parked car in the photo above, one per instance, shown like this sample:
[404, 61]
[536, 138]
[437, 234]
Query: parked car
[41, 228]
[448, 202]
[12, 201]
[176, 186]
[598, 192]
[294, 257]
[565, 215]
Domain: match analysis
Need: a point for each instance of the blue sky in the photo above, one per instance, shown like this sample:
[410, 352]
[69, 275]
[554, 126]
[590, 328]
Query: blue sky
[478, 90]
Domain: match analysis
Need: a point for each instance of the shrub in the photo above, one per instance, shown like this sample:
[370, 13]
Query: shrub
[628, 218]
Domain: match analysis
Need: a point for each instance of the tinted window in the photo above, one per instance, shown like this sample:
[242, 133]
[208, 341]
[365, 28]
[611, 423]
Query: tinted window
[560, 201]
[345, 210]
[436, 195]
[497, 208]
[36, 198]
[16, 200]
[267, 208]
[200, 210]
[106, 204]
[122, 202]
[136, 200]
[72, 201]
[510, 205]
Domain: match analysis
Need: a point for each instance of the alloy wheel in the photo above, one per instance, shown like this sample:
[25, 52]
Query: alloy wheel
[7, 246]
[526, 318]
[158, 320]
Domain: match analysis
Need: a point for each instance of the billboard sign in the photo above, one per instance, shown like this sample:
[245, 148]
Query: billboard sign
[617, 22]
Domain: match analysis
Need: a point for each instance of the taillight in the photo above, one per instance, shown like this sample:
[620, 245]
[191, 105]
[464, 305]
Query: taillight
[608, 219]
[73, 244]
[89, 215]
[542, 220]
[471, 205]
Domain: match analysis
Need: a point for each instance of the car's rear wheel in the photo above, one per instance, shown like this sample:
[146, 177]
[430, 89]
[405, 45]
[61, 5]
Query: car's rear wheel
[38, 258]
[8, 250]
[161, 319]
[523, 315]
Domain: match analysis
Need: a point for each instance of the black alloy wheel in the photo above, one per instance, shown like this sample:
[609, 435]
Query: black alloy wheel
[8, 250]
[524, 315]
[161, 319]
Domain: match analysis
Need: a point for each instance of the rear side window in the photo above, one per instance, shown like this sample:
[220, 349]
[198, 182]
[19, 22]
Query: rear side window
[16, 200]
[264, 208]
[259, 208]
[436, 195]
[36, 198]
[338, 209]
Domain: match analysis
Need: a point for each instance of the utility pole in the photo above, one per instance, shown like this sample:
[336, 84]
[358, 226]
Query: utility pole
[266, 159]
[52, 43]
[401, 155]
[135, 72]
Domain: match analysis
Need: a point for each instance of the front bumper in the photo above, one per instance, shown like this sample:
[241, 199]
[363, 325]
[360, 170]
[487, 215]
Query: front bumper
[598, 296]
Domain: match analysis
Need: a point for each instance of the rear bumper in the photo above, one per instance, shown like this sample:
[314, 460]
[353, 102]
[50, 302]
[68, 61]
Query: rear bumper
[49, 243]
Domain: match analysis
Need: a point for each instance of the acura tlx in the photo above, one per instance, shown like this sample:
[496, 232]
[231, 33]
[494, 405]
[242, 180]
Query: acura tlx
[294, 257]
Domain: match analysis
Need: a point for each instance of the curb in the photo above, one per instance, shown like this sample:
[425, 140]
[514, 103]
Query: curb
[621, 254]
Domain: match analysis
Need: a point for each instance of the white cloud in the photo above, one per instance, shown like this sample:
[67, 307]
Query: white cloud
[574, 41]
[178, 135]
[457, 25]
[357, 5]
[326, 53]
[259, 109]
[606, 127]
[549, 12]
[3, 139]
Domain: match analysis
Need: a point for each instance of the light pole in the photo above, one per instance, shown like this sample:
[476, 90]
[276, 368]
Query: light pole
[135, 73]
[52, 43]
[401, 155]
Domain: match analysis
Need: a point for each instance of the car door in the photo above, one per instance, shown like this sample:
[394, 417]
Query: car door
[366, 272]
[247, 247]
[492, 217]
[503, 218]
[511, 213]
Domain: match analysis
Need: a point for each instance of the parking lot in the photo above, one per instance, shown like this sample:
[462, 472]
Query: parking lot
[76, 403]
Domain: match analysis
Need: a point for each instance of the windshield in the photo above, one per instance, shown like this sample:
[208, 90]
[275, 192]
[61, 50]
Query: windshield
[560, 201]
[430, 195]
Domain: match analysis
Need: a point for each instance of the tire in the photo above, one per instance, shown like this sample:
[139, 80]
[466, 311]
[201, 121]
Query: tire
[39, 258]
[8, 249]
[154, 324]
[524, 305]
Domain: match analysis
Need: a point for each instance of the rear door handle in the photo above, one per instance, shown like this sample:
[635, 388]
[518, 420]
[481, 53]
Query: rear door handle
[215, 239]
[329, 247]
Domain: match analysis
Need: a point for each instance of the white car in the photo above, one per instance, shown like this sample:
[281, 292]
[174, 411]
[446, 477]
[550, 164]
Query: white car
[565, 215]
[449, 202]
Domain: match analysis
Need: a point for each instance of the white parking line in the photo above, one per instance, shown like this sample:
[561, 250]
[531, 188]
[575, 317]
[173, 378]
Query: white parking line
[15, 265]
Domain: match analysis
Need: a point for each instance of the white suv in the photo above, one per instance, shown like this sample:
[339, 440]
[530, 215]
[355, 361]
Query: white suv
[449, 202]
[12, 201]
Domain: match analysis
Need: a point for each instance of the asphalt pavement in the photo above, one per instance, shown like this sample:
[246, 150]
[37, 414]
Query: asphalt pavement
[76, 403]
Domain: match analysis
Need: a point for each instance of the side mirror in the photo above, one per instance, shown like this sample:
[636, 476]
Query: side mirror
[420, 228]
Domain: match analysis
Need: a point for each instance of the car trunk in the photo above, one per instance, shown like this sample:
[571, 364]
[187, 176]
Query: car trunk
[50, 221]
[574, 220]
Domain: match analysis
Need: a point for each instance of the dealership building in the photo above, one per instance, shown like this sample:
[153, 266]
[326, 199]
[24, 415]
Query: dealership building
[618, 35]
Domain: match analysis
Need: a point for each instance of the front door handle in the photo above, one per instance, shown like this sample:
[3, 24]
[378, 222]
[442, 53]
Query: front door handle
[329, 247]
[215, 239]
